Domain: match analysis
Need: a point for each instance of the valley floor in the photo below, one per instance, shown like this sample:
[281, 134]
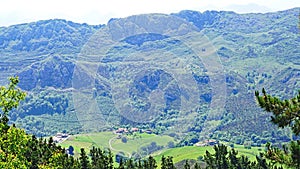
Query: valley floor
[137, 145]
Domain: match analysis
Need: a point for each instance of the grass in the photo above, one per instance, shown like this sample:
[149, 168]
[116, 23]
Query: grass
[88, 140]
[192, 152]
[250, 153]
[181, 153]
[137, 140]
[134, 142]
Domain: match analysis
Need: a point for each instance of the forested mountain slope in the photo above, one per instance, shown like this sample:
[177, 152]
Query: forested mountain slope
[195, 70]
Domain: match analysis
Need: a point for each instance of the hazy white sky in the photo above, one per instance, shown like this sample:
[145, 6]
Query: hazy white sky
[100, 11]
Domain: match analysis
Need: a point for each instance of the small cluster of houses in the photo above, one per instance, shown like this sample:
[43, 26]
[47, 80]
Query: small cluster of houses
[132, 130]
[207, 143]
[60, 137]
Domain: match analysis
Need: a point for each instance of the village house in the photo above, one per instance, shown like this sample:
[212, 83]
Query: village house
[207, 143]
[148, 131]
[59, 137]
[121, 130]
[134, 129]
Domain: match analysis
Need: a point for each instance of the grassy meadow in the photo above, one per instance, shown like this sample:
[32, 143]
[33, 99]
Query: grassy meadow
[137, 140]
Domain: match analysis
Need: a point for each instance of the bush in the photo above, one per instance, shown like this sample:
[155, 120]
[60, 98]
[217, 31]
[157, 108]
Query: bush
[171, 144]
[124, 140]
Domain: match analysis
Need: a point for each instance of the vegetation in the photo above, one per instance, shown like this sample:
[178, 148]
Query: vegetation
[10, 97]
[138, 145]
[20, 150]
[285, 113]
[224, 159]
[44, 55]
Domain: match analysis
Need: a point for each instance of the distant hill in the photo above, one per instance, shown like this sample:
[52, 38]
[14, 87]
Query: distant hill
[187, 72]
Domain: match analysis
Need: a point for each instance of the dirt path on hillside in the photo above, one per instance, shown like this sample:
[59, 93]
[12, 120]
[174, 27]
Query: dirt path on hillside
[113, 149]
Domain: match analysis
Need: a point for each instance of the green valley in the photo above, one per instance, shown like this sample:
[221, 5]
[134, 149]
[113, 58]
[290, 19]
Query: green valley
[154, 85]
[134, 143]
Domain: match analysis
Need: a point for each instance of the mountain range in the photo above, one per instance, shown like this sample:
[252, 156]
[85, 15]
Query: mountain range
[184, 74]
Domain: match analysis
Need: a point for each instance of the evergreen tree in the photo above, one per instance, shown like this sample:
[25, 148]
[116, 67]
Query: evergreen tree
[295, 153]
[163, 162]
[167, 163]
[84, 161]
[196, 166]
[94, 157]
[121, 164]
[129, 164]
[219, 159]
[110, 160]
[285, 113]
[187, 165]
[101, 159]
[245, 163]
[234, 161]
[139, 164]
[210, 160]
[221, 156]
[151, 163]
[262, 163]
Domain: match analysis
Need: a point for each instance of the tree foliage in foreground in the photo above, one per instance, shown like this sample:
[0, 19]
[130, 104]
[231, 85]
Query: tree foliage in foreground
[20, 150]
[10, 98]
[286, 113]
[224, 159]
